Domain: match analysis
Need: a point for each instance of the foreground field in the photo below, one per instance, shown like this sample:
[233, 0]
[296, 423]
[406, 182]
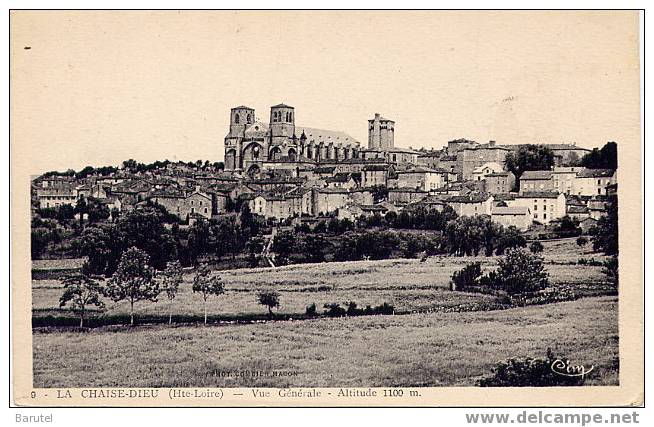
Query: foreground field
[436, 349]
[408, 284]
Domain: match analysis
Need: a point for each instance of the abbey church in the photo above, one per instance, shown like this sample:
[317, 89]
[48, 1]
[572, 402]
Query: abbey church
[252, 144]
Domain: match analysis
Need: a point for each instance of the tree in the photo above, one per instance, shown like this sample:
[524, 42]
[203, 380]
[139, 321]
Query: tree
[536, 247]
[171, 279]
[521, 272]
[207, 284]
[269, 299]
[604, 234]
[283, 245]
[314, 248]
[603, 158]
[133, 280]
[510, 239]
[611, 269]
[81, 291]
[529, 158]
[130, 165]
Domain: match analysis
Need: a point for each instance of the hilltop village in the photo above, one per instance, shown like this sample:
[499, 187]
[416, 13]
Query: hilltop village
[294, 175]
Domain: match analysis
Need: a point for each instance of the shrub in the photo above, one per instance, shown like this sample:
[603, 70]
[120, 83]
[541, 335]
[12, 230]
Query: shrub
[536, 247]
[593, 262]
[334, 310]
[582, 241]
[546, 296]
[385, 308]
[531, 373]
[521, 272]
[311, 310]
[352, 309]
[467, 277]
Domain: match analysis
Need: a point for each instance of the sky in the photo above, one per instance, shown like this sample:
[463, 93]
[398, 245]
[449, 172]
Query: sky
[96, 88]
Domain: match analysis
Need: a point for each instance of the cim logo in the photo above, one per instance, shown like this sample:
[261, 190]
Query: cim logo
[563, 367]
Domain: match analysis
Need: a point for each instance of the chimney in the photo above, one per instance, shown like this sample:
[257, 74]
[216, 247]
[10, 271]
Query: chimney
[491, 143]
[377, 115]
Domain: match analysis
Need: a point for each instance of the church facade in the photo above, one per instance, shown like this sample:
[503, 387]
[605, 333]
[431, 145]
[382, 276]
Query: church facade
[251, 144]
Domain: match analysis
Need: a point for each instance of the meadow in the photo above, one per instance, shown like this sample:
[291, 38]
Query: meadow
[407, 284]
[428, 346]
[433, 349]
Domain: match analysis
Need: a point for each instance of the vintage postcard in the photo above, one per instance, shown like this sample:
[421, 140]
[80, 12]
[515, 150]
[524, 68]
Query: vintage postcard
[326, 208]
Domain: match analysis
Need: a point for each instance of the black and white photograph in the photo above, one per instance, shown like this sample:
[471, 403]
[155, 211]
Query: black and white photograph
[233, 208]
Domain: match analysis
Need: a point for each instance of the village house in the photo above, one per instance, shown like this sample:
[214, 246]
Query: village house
[328, 200]
[342, 180]
[471, 158]
[432, 202]
[421, 178]
[499, 182]
[183, 204]
[482, 171]
[563, 178]
[545, 206]
[536, 181]
[374, 175]
[430, 159]
[516, 216]
[471, 204]
[579, 213]
[270, 205]
[590, 182]
[404, 196]
[355, 210]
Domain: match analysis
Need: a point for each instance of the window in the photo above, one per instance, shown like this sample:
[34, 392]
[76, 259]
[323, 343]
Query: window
[237, 118]
[206, 210]
[249, 118]
[544, 216]
[535, 207]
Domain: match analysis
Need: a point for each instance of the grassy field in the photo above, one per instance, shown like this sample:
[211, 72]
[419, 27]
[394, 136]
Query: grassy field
[407, 284]
[431, 347]
[436, 349]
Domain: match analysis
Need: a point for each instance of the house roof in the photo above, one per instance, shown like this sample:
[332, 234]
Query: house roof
[574, 209]
[541, 174]
[339, 177]
[420, 169]
[375, 168]
[510, 210]
[468, 198]
[595, 173]
[406, 190]
[538, 195]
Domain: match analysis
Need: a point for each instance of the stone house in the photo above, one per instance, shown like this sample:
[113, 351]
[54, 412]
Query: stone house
[517, 216]
[471, 204]
[421, 178]
[540, 180]
[545, 206]
[374, 175]
[591, 182]
[499, 182]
